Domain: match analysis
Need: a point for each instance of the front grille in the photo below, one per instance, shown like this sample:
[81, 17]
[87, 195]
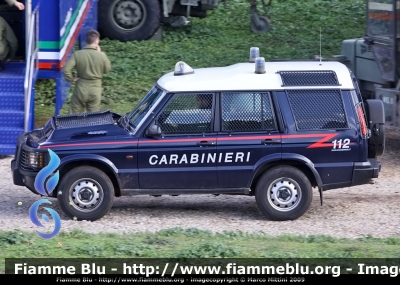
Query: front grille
[23, 160]
[309, 78]
[84, 120]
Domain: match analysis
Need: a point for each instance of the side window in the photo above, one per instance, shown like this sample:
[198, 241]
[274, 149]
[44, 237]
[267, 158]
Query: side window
[247, 112]
[187, 113]
[317, 109]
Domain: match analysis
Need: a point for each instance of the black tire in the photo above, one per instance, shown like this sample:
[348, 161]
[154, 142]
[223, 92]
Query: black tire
[264, 25]
[375, 113]
[141, 20]
[91, 179]
[283, 180]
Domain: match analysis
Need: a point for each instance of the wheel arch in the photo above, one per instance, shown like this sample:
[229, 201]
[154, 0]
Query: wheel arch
[96, 161]
[298, 161]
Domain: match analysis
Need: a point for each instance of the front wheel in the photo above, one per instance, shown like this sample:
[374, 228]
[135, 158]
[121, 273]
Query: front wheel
[85, 193]
[283, 193]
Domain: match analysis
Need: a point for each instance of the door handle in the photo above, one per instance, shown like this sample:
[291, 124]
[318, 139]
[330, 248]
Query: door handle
[205, 143]
[271, 141]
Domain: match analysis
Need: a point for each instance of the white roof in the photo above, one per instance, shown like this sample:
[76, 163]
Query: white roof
[242, 76]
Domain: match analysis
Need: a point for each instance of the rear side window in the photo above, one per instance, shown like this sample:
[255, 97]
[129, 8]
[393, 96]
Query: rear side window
[317, 109]
[247, 112]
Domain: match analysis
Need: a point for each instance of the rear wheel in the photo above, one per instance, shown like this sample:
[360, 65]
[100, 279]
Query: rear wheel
[85, 193]
[283, 193]
[129, 20]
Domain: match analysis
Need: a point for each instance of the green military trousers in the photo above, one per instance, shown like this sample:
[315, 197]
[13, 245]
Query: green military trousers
[8, 41]
[4, 50]
[87, 95]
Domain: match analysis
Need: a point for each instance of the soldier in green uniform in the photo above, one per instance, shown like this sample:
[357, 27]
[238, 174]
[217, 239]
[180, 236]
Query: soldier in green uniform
[90, 64]
[8, 43]
[8, 40]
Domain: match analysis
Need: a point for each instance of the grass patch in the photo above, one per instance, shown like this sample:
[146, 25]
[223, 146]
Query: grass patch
[221, 39]
[192, 243]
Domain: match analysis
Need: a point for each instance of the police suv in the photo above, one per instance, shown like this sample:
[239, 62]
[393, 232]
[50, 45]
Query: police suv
[273, 130]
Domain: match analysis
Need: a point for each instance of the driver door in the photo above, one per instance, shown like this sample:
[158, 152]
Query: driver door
[184, 156]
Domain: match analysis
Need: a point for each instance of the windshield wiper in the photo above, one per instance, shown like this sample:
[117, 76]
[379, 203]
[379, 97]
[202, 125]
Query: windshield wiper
[123, 121]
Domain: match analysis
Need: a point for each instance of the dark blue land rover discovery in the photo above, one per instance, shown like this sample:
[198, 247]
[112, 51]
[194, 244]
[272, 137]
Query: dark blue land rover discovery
[272, 130]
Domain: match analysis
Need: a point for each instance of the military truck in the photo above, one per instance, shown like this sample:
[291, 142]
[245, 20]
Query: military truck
[128, 20]
[374, 59]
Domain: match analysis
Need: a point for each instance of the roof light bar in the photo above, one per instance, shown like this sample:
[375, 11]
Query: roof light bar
[254, 53]
[260, 65]
[182, 68]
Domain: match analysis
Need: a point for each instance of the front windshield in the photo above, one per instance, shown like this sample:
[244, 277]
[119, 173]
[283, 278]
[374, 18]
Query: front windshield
[144, 106]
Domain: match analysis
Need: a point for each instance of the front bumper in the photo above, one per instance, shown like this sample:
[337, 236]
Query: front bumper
[17, 176]
[364, 171]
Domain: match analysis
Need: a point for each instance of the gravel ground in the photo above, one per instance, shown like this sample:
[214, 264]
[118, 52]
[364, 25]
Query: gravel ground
[372, 209]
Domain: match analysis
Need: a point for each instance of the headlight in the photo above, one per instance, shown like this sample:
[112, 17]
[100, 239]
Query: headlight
[34, 160]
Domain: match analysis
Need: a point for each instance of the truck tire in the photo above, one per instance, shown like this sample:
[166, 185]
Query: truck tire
[128, 20]
[375, 113]
[283, 193]
[85, 193]
[264, 25]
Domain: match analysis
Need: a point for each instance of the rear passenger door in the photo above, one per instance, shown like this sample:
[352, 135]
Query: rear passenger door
[248, 135]
[323, 129]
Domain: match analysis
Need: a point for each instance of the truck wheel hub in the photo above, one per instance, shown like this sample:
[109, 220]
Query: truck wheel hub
[129, 13]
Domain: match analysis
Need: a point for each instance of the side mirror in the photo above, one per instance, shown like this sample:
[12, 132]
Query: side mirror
[153, 131]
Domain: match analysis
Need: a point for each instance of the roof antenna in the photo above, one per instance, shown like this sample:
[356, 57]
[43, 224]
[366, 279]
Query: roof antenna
[320, 47]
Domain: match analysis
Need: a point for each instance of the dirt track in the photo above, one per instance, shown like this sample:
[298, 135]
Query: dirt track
[372, 209]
